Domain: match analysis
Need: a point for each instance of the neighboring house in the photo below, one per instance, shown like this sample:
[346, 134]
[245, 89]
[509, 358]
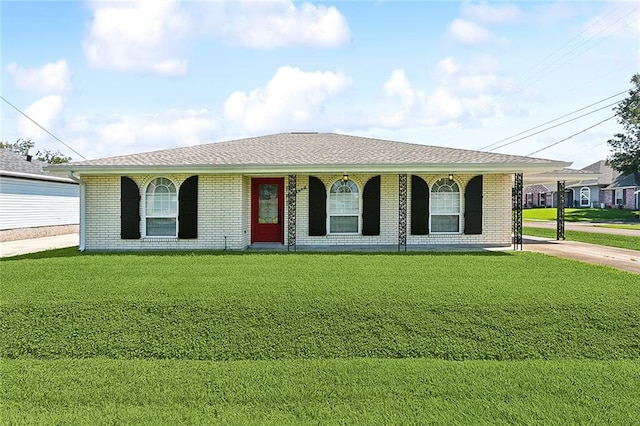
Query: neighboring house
[589, 192]
[610, 189]
[541, 189]
[33, 202]
[301, 190]
[623, 192]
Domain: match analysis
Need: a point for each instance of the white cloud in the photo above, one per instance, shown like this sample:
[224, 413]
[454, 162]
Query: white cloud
[481, 76]
[147, 132]
[469, 33]
[292, 98]
[491, 14]
[46, 112]
[463, 94]
[140, 36]
[272, 24]
[51, 78]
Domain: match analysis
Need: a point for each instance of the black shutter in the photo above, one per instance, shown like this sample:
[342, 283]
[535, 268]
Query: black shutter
[371, 207]
[317, 207]
[188, 208]
[473, 206]
[419, 206]
[129, 209]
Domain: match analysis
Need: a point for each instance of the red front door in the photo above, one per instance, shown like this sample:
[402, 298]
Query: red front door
[267, 210]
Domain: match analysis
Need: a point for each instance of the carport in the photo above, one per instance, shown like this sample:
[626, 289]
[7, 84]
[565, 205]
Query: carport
[557, 178]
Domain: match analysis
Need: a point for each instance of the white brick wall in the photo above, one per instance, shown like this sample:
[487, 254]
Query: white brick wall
[224, 210]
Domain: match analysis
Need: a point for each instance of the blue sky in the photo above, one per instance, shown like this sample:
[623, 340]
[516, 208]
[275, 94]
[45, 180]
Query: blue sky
[112, 78]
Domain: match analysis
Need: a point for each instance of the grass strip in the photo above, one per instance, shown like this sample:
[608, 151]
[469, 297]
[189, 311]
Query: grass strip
[611, 240]
[578, 215]
[318, 306]
[635, 226]
[362, 391]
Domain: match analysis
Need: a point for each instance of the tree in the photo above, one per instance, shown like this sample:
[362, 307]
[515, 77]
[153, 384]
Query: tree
[22, 147]
[625, 147]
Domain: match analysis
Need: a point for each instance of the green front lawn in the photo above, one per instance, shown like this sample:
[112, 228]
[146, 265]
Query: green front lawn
[327, 391]
[601, 239]
[331, 338]
[577, 215]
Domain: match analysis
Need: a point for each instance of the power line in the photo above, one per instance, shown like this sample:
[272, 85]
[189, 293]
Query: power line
[552, 127]
[37, 124]
[567, 138]
[506, 92]
[551, 121]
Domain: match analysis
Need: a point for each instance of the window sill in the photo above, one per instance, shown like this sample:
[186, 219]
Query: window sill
[158, 238]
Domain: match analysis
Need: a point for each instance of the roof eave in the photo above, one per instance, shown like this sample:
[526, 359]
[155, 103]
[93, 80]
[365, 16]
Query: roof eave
[522, 167]
[35, 176]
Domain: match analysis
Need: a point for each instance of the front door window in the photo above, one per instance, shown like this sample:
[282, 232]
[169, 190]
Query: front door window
[268, 204]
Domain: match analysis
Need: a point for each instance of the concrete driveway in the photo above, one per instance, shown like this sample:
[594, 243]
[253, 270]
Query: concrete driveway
[34, 245]
[623, 259]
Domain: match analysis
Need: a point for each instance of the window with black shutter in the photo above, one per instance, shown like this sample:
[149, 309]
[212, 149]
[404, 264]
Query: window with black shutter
[419, 206]
[129, 209]
[317, 207]
[473, 206]
[371, 207]
[188, 208]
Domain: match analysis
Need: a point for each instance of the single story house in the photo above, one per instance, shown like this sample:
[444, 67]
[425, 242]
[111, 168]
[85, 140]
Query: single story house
[301, 189]
[34, 202]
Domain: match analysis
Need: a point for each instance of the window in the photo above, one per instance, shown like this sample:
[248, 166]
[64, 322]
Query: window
[585, 195]
[543, 199]
[344, 208]
[445, 206]
[161, 208]
[529, 199]
[619, 197]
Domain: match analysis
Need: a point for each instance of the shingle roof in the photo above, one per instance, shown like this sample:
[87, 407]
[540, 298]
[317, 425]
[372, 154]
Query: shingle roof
[11, 161]
[625, 181]
[16, 165]
[607, 173]
[309, 149]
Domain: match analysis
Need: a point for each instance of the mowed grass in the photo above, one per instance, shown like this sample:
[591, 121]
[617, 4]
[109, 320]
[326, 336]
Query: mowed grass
[620, 226]
[332, 338]
[602, 239]
[333, 391]
[578, 215]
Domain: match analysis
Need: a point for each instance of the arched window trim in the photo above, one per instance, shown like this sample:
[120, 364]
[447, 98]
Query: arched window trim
[329, 205]
[146, 216]
[433, 205]
[588, 198]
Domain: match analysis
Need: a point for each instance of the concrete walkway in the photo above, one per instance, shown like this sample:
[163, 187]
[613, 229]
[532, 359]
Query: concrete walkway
[34, 245]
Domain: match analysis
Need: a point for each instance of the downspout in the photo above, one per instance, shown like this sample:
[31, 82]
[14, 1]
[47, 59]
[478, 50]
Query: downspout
[83, 208]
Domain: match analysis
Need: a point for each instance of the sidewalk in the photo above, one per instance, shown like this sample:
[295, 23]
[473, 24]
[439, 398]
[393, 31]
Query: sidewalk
[34, 245]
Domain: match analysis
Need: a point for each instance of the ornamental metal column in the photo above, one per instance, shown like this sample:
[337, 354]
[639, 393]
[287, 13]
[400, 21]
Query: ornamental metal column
[560, 215]
[292, 193]
[402, 212]
[516, 211]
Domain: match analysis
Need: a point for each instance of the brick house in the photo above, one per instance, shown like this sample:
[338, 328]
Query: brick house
[298, 190]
